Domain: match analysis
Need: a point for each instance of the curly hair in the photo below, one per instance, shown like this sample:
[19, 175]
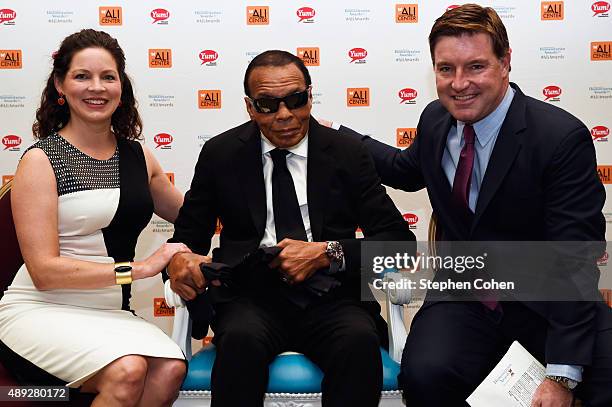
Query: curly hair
[51, 116]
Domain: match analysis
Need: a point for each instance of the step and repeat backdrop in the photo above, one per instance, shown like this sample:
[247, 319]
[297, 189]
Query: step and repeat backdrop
[369, 61]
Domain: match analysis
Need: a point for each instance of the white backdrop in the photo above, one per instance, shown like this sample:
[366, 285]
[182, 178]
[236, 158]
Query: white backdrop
[377, 47]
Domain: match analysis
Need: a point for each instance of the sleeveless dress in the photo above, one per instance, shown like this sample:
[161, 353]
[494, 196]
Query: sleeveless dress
[103, 205]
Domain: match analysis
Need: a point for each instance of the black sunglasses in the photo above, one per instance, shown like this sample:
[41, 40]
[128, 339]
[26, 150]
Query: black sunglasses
[271, 105]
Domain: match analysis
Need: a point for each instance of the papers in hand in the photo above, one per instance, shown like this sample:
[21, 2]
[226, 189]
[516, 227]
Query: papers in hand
[512, 382]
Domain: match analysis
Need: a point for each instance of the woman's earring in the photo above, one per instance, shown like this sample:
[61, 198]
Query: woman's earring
[60, 100]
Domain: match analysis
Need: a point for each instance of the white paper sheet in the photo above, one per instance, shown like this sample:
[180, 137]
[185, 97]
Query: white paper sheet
[512, 382]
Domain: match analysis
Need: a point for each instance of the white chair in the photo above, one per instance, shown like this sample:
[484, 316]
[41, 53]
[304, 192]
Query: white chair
[294, 380]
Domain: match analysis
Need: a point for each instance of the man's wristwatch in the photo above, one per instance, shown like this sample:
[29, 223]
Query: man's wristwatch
[566, 382]
[334, 252]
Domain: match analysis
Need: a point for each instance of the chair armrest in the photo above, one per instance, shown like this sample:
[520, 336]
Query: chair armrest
[395, 299]
[181, 328]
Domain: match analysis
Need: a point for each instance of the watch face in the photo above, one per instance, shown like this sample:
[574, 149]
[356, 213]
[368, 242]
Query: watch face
[122, 269]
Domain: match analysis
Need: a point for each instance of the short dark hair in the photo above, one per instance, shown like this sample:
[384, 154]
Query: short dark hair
[51, 116]
[275, 57]
[471, 19]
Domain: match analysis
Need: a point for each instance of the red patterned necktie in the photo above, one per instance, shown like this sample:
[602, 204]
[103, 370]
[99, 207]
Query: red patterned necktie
[463, 174]
[461, 195]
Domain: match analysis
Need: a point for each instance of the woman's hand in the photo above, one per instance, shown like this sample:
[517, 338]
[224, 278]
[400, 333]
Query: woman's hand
[160, 259]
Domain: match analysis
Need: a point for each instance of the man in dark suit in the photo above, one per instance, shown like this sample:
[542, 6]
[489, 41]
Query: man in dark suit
[283, 180]
[500, 166]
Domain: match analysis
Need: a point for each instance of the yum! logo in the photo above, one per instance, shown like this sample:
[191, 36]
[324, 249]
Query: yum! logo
[552, 93]
[412, 220]
[7, 16]
[407, 96]
[358, 55]
[160, 16]
[600, 133]
[208, 57]
[600, 8]
[11, 142]
[306, 15]
[163, 140]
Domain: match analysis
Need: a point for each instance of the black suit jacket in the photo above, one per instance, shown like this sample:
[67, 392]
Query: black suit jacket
[541, 184]
[343, 190]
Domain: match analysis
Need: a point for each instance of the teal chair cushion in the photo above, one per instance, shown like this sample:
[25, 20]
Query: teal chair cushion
[290, 373]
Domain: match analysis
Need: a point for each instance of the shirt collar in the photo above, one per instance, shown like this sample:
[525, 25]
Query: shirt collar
[486, 128]
[300, 149]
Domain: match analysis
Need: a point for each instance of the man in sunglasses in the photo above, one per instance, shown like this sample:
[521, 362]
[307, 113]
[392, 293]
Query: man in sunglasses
[283, 180]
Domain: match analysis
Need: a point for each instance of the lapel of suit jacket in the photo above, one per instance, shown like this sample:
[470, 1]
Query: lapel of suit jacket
[250, 170]
[318, 178]
[504, 152]
[443, 185]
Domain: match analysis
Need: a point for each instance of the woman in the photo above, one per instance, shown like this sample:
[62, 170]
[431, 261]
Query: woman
[81, 196]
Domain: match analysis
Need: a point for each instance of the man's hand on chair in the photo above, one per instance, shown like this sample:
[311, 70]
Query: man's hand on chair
[186, 279]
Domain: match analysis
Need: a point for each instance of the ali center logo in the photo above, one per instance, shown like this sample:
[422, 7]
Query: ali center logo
[160, 16]
[601, 9]
[605, 173]
[11, 142]
[309, 55]
[404, 136]
[209, 99]
[358, 97]
[163, 140]
[358, 55]
[110, 15]
[552, 10]
[7, 16]
[208, 57]
[258, 15]
[601, 51]
[160, 58]
[306, 15]
[552, 93]
[161, 308]
[10, 59]
[407, 13]
[600, 133]
[407, 96]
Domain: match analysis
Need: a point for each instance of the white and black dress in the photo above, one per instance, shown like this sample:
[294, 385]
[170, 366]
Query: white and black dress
[103, 205]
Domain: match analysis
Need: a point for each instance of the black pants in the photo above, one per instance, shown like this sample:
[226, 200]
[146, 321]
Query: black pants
[338, 335]
[452, 347]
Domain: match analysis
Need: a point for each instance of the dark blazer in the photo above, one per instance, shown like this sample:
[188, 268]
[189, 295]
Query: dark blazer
[541, 184]
[343, 189]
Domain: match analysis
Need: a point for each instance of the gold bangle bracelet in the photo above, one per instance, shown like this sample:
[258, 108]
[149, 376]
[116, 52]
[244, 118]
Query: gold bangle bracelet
[123, 273]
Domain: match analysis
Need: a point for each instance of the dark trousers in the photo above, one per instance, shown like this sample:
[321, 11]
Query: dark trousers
[338, 335]
[452, 347]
